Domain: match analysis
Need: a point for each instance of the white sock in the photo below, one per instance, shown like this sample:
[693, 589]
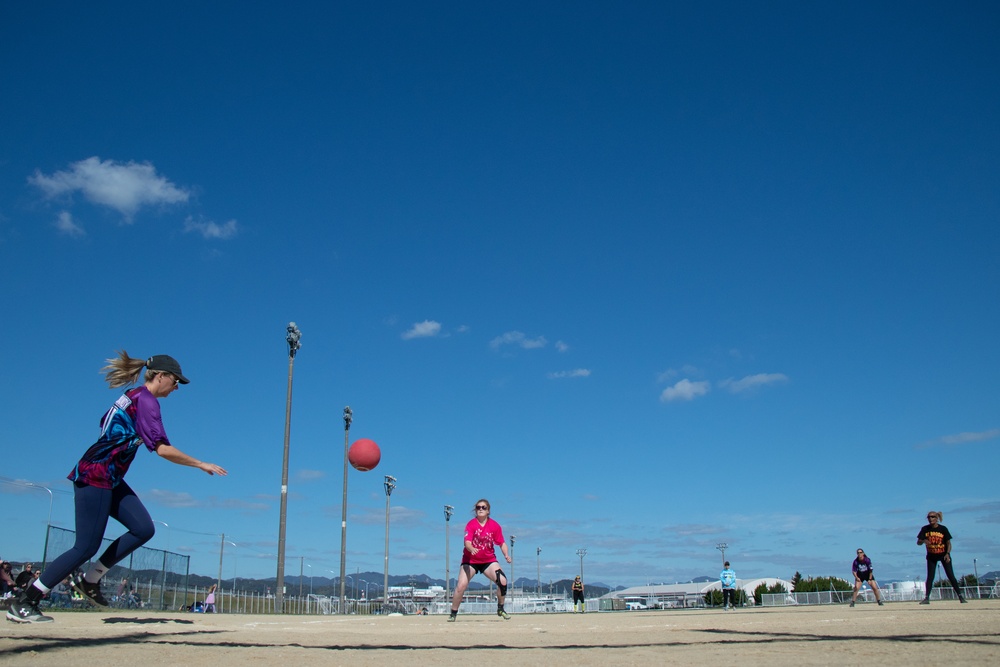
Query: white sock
[96, 571]
[40, 586]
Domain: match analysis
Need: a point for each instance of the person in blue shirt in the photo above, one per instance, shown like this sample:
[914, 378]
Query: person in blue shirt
[728, 579]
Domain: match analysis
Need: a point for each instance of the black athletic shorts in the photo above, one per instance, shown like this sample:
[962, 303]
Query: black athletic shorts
[479, 567]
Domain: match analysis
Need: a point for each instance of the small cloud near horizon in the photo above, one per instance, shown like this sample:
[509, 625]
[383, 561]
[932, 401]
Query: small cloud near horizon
[68, 226]
[518, 339]
[124, 187]
[425, 329]
[685, 390]
[957, 439]
[576, 373]
[211, 230]
[752, 382]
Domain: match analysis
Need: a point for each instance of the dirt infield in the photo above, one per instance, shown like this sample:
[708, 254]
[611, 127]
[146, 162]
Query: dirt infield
[902, 633]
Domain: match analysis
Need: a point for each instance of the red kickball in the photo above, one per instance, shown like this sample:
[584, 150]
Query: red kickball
[364, 454]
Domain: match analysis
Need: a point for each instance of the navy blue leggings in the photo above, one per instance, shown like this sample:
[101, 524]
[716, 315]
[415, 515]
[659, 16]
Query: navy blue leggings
[94, 507]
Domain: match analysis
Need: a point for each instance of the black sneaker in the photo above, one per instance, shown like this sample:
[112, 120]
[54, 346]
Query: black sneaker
[90, 591]
[452, 617]
[24, 611]
[925, 601]
[880, 603]
[962, 599]
[852, 604]
[502, 614]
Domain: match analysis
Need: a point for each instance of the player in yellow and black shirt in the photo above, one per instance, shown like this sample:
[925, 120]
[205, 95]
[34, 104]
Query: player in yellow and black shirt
[937, 540]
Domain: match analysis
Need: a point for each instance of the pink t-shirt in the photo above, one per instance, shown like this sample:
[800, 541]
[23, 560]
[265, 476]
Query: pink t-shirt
[484, 538]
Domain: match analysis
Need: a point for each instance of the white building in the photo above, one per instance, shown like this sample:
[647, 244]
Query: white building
[690, 594]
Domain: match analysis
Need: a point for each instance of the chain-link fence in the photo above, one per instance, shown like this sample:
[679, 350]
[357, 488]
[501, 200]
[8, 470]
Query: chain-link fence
[148, 578]
[889, 594]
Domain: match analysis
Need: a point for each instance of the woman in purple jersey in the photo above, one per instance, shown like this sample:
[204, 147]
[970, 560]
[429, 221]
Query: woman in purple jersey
[100, 491]
[863, 572]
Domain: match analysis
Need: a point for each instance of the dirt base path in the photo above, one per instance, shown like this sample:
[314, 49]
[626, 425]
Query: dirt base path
[897, 634]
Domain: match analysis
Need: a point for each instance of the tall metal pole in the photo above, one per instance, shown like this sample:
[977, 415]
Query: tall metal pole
[448, 511]
[292, 338]
[222, 549]
[581, 553]
[348, 418]
[513, 581]
[390, 484]
[538, 568]
[722, 546]
[302, 567]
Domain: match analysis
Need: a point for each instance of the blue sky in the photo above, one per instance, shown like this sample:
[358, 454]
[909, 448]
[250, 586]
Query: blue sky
[648, 276]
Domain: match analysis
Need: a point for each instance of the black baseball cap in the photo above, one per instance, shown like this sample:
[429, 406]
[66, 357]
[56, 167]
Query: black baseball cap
[167, 364]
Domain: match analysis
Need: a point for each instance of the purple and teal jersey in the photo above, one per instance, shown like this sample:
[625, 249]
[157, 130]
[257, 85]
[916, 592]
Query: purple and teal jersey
[134, 419]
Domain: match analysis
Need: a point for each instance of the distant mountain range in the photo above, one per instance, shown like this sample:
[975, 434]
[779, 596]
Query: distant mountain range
[355, 584]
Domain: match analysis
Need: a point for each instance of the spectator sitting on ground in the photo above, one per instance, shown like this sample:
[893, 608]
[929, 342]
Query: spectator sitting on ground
[25, 577]
[60, 594]
[6, 579]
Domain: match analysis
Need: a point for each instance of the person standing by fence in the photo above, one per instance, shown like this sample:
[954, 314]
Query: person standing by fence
[210, 600]
[578, 595]
[100, 491]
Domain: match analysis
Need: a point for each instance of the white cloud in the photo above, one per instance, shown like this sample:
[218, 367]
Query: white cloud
[685, 390]
[124, 187]
[66, 225]
[519, 339]
[671, 373]
[561, 346]
[173, 498]
[961, 439]
[425, 329]
[752, 381]
[576, 373]
[211, 230]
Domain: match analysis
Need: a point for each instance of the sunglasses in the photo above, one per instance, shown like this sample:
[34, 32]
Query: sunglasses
[482, 507]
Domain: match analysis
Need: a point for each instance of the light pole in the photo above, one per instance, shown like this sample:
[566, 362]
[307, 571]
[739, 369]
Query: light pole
[975, 569]
[222, 549]
[48, 522]
[513, 581]
[218, 585]
[581, 553]
[348, 418]
[292, 338]
[310, 578]
[389, 484]
[722, 546]
[448, 511]
[302, 563]
[538, 569]
[165, 525]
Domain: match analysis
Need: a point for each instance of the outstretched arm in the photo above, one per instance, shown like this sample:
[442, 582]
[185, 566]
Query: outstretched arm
[174, 455]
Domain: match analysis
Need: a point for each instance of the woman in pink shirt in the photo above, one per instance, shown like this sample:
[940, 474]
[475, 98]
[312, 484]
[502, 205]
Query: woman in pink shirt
[482, 534]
